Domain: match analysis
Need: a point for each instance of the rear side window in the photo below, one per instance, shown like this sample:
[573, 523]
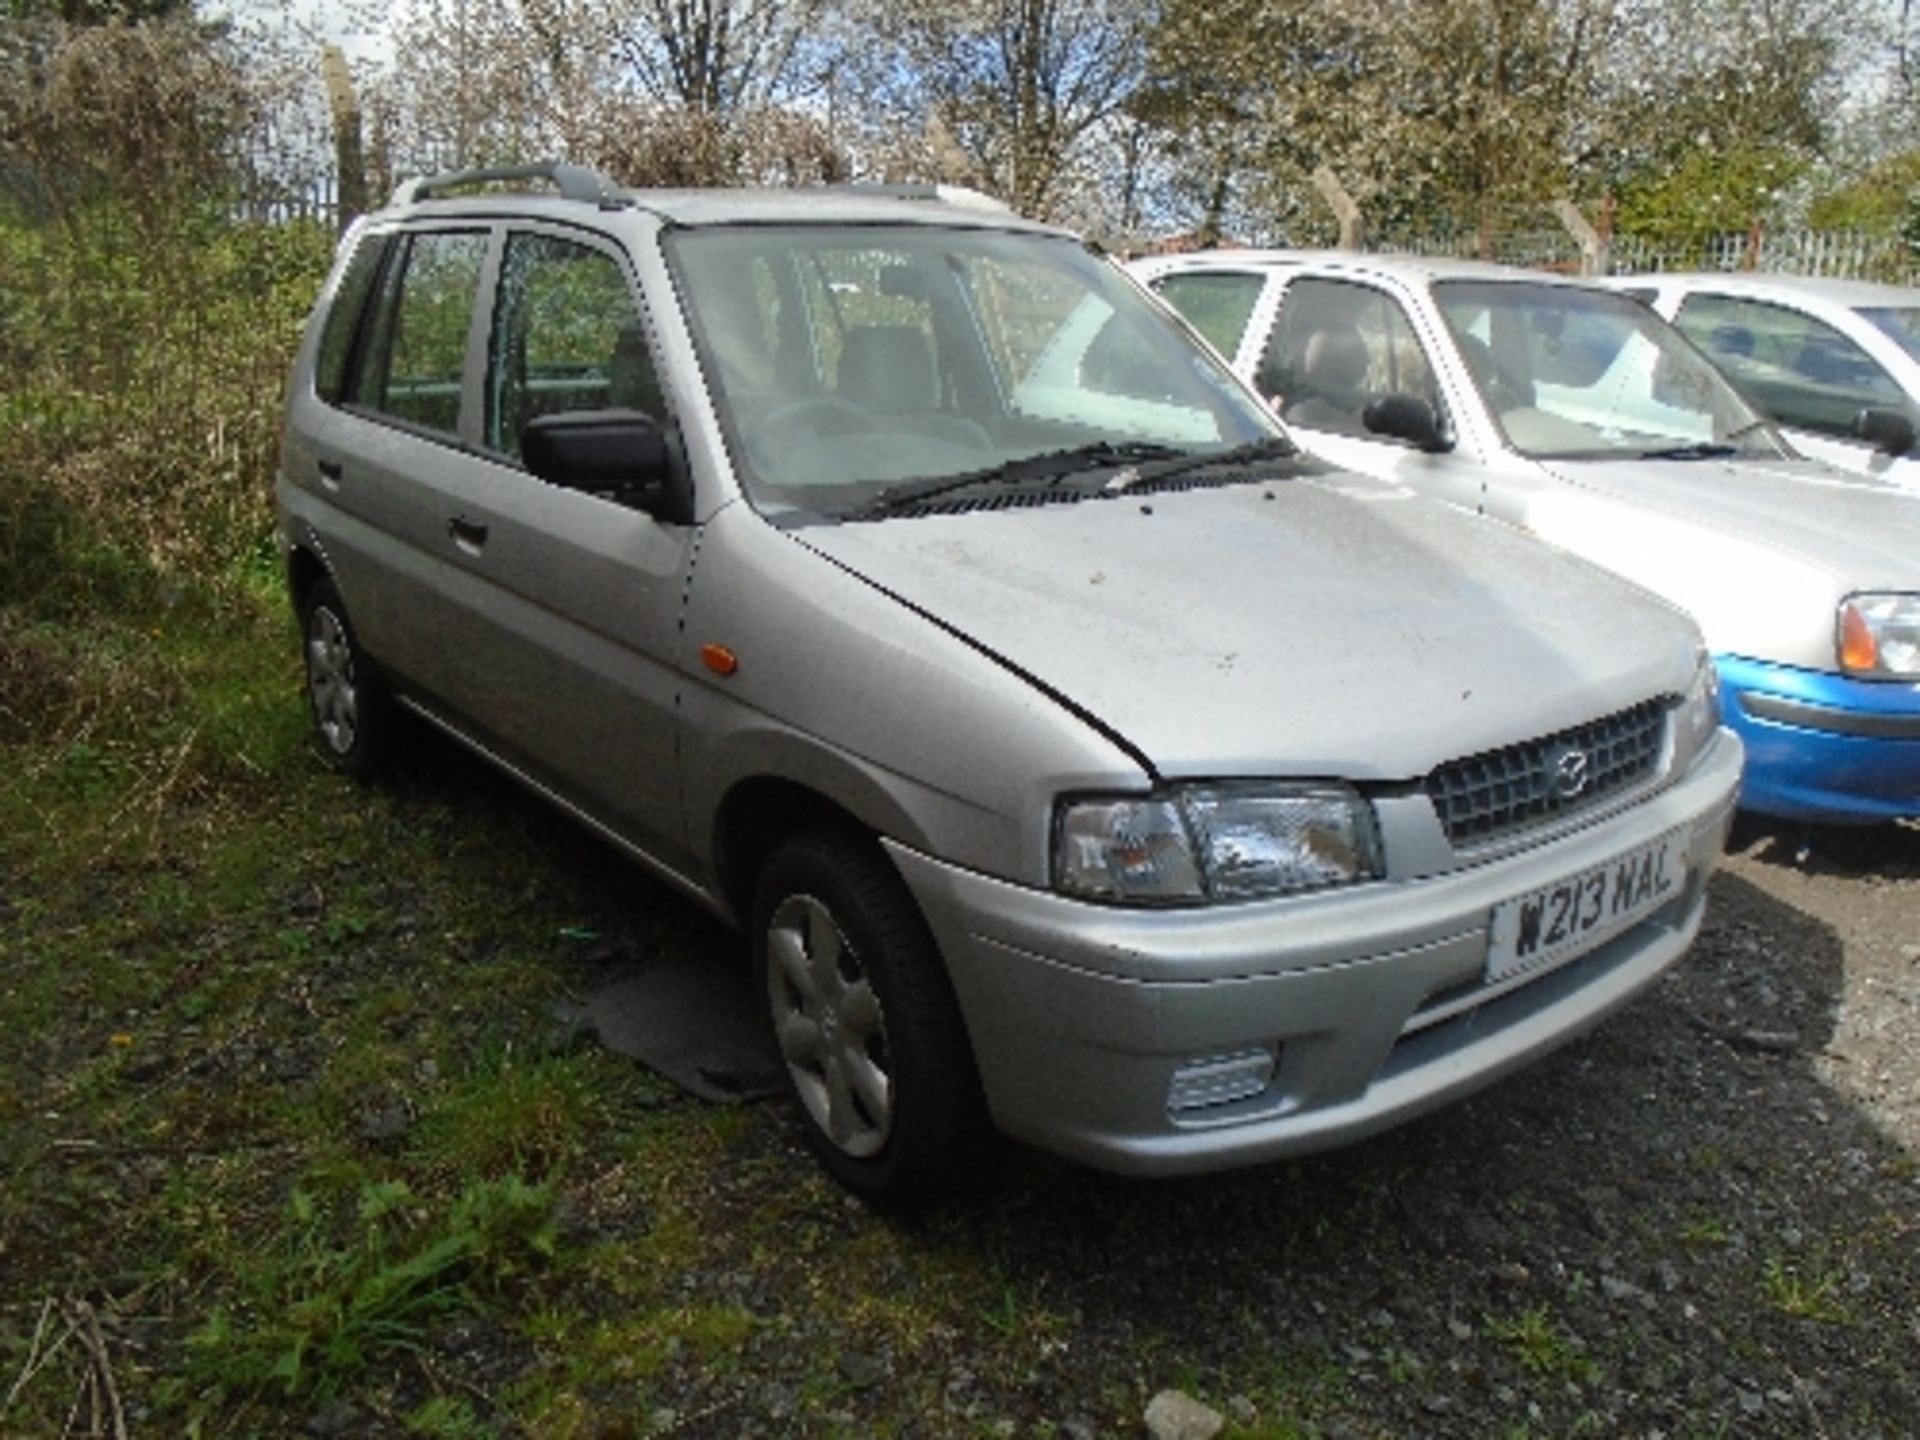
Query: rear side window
[566, 336]
[343, 320]
[415, 356]
[1218, 306]
[1801, 370]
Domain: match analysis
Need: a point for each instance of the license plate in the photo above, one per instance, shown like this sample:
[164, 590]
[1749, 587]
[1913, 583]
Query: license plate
[1558, 921]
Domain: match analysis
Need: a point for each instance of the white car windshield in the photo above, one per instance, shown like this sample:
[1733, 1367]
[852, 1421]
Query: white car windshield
[1900, 322]
[1573, 373]
[847, 361]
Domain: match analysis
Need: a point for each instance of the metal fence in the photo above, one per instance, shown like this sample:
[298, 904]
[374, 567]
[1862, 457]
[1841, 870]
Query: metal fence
[1839, 254]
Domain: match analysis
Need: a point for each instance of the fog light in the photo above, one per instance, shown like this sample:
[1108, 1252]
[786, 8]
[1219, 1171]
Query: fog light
[1219, 1080]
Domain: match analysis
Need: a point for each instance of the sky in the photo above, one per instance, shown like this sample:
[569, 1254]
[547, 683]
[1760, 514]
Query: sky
[358, 27]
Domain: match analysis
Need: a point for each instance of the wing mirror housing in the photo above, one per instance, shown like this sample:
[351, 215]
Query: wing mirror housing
[623, 455]
[1888, 431]
[1406, 417]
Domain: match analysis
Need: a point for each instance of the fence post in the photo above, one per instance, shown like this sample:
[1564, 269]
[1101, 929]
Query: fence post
[349, 155]
[1594, 256]
[1345, 208]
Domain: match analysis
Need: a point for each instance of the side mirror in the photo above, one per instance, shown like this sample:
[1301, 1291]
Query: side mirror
[1888, 431]
[1406, 417]
[622, 454]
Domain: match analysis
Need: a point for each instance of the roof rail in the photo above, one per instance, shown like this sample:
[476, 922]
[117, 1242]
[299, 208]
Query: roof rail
[575, 182]
[964, 196]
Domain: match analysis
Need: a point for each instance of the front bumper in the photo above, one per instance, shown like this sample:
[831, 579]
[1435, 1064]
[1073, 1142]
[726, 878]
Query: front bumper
[1082, 1016]
[1823, 747]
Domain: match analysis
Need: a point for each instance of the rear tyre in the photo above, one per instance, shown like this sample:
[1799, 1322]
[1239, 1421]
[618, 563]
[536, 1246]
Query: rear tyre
[866, 1024]
[352, 712]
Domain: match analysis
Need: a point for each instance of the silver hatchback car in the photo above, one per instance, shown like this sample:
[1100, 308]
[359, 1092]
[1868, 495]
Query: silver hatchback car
[894, 577]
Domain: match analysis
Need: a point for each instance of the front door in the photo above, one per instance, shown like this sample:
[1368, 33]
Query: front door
[1337, 345]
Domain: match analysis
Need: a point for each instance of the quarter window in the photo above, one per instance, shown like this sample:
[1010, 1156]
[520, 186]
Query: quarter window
[343, 320]
[1218, 306]
[416, 357]
[566, 336]
[1335, 347]
[1800, 370]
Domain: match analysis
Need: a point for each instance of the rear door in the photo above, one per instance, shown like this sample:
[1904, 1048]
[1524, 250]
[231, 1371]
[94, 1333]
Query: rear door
[387, 442]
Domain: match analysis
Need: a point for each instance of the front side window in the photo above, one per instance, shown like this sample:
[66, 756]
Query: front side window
[415, 358]
[1218, 305]
[566, 336]
[1800, 370]
[1568, 372]
[1336, 347]
[844, 360]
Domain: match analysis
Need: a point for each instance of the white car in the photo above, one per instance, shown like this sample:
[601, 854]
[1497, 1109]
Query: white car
[1836, 363]
[1581, 416]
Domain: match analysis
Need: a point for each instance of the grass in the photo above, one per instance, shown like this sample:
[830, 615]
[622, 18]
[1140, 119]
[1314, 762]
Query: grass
[289, 1116]
[294, 1114]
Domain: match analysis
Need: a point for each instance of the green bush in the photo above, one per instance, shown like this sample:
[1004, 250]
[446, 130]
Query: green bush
[143, 367]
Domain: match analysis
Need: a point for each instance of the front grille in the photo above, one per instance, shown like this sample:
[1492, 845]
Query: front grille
[1486, 796]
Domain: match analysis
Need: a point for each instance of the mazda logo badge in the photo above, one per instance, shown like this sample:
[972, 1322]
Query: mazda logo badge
[1569, 773]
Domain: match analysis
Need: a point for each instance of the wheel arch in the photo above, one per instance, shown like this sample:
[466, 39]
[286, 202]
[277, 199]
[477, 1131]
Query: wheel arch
[305, 569]
[756, 817]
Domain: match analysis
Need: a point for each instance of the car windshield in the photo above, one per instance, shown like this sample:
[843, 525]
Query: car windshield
[1569, 372]
[1902, 322]
[851, 362]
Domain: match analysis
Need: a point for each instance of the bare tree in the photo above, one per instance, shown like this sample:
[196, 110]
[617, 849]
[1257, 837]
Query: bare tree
[723, 57]
[1020, 86]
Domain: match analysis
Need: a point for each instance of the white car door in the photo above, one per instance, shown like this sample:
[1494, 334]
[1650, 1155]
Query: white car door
[1337, 344]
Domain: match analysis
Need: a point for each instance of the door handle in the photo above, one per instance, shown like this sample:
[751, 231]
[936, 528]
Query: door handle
[331, 471]
[469, 535]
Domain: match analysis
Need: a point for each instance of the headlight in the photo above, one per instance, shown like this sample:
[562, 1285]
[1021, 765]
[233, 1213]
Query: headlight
[1214, 842]
[1880, 636]
[1698, 714]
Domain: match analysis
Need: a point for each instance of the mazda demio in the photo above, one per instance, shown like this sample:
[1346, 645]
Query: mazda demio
[892, 576]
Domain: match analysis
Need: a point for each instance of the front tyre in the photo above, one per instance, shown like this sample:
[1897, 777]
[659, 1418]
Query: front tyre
[348, 699]
[866, 1022]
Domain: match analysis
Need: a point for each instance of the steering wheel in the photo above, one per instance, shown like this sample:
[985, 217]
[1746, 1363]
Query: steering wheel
[820, 415]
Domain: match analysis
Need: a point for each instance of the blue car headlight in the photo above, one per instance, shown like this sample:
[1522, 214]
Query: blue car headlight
[1879, 636]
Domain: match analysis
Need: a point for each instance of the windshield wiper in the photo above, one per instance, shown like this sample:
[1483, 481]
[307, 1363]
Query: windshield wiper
[1050, 466]
[1693, 450]
[1273, 447]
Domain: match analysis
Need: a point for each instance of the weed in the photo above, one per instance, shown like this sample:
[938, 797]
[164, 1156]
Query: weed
[1003, 1316]
[509, 1112]
[1808, 1297]
[1540, 1345]
[447, 1417]
[1704, 1231]
[317, 1310]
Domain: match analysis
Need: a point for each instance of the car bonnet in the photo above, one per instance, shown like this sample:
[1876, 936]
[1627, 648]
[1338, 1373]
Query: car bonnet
[1324, 627]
